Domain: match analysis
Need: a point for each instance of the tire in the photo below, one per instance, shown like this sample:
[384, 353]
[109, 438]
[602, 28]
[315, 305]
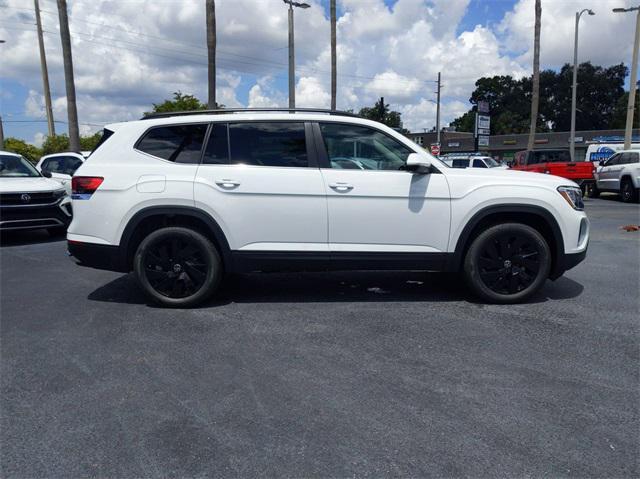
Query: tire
[628, 193]
[593, 191]
[507, 263]
[177, 267]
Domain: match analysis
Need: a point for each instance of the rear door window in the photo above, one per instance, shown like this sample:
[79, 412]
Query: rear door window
[176, 143]
[217, 151]
[279, 144]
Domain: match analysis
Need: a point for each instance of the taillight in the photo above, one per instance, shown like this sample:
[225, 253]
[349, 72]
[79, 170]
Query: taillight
[82, 187]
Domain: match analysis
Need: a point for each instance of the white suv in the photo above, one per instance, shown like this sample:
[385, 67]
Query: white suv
[181, 198]
[619, 174]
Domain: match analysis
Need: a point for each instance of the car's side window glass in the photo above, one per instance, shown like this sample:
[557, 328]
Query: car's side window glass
[479, 164]
[54, 165]
[177, 143]
[217, 151]
[280, 144]
[71, 164]
[613, 160]
[363, 148]
[635, 158]
[459, 163]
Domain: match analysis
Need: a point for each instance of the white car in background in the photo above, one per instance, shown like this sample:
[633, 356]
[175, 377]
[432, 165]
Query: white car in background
[28, 199]
[472, 162]
[62, 166]
[620, 174]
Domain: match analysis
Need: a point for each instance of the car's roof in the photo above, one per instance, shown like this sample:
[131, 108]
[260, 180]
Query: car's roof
[245, 116]
[10, 153]
[64, 153]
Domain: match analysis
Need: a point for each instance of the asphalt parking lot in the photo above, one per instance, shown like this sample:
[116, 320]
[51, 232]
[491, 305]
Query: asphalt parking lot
[321, 375]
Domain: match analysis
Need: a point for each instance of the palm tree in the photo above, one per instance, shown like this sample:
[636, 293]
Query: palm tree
[332, 8]
[535, 87]
[72, 109]
[211, 52]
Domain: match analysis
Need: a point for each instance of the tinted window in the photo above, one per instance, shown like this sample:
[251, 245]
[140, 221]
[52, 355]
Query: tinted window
[179, 143]
[268, 144]
[16, 166]
[217, 151]
[66, 165]
[633, 158]
[362, 148]
[54, 165]
[459, 163]
[552, 156]
[72, 164]
[614, 160]
[479, 164]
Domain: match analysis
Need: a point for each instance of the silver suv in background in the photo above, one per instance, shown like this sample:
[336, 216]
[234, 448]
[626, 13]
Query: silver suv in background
[472, 161]
[620, 174]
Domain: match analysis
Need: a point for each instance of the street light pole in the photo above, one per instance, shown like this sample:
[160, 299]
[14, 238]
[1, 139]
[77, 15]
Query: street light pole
[632, 81]
[292, 59]
[572, 135]
[438, 112]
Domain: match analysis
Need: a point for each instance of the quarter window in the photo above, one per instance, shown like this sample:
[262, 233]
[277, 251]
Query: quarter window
[177, 143]
[361, 148]
[279, 144]
[460, 163]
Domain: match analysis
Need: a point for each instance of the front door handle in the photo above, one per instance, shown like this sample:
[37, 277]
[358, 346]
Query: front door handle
[227, 183]
[340, 186]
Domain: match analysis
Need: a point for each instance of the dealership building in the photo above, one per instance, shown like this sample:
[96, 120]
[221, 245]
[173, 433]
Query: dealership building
[503, 147]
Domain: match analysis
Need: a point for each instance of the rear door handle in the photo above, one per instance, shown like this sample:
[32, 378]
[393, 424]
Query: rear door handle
[340, 186]
[227, 183]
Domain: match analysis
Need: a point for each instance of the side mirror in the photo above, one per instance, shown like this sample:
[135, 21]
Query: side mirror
[418, 164]
[46, 173]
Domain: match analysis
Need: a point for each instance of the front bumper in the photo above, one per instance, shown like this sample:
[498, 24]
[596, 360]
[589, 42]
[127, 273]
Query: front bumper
[33, 217]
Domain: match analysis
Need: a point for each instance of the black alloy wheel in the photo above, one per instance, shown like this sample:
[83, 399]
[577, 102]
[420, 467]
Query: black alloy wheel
[507, 263]
[177, 266]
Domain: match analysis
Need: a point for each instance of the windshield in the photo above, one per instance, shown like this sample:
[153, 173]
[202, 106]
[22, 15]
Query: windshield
[17, 167]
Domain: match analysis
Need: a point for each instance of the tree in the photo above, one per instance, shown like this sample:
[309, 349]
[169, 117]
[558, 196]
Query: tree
[21, 147]
[382, 113]
[510, 100]
[55, 144]
[332, 9]
[72, 109]
[535, 94]
[211, 52]
[88, 143]
[180, 102]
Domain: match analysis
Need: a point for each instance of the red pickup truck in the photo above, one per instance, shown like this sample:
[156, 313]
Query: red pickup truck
[556, 162]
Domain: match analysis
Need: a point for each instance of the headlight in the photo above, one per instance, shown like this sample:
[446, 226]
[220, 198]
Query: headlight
[573, 196]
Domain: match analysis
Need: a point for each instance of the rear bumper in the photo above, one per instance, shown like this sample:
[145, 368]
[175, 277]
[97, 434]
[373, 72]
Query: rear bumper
[97, 256]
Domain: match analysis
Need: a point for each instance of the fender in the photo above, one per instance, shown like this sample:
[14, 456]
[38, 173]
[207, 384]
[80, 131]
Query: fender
[558, 264]
[193, 212]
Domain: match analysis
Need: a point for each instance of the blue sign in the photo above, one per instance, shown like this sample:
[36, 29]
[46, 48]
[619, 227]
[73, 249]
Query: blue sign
[615, 139]
[602, 153]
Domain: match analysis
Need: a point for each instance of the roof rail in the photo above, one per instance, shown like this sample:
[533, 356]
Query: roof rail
[222, 111]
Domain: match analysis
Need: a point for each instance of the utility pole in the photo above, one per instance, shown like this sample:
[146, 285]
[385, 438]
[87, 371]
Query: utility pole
[574, 88]
[535, 81]
[211, 52]
[45, 73]
[438, 111]
[332, 8]
[1, 135]
[72, 110]
[632, 81]
[292, 55]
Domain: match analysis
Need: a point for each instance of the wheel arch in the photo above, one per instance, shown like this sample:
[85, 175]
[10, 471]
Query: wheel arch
[154, 217]
[535, 216]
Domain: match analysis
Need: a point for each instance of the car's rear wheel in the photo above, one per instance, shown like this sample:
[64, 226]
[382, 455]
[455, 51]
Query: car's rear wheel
[628, 193]
[507, 263]
[177, 266]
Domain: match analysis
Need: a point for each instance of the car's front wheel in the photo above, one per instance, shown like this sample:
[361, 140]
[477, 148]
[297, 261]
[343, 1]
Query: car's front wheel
[507, 263]
[177, 266]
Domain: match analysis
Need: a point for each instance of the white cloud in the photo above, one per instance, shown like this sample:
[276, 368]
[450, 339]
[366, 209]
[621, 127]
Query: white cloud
[128, 55]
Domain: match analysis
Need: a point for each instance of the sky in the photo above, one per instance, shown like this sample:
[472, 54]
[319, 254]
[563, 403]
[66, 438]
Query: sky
[129, 54]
